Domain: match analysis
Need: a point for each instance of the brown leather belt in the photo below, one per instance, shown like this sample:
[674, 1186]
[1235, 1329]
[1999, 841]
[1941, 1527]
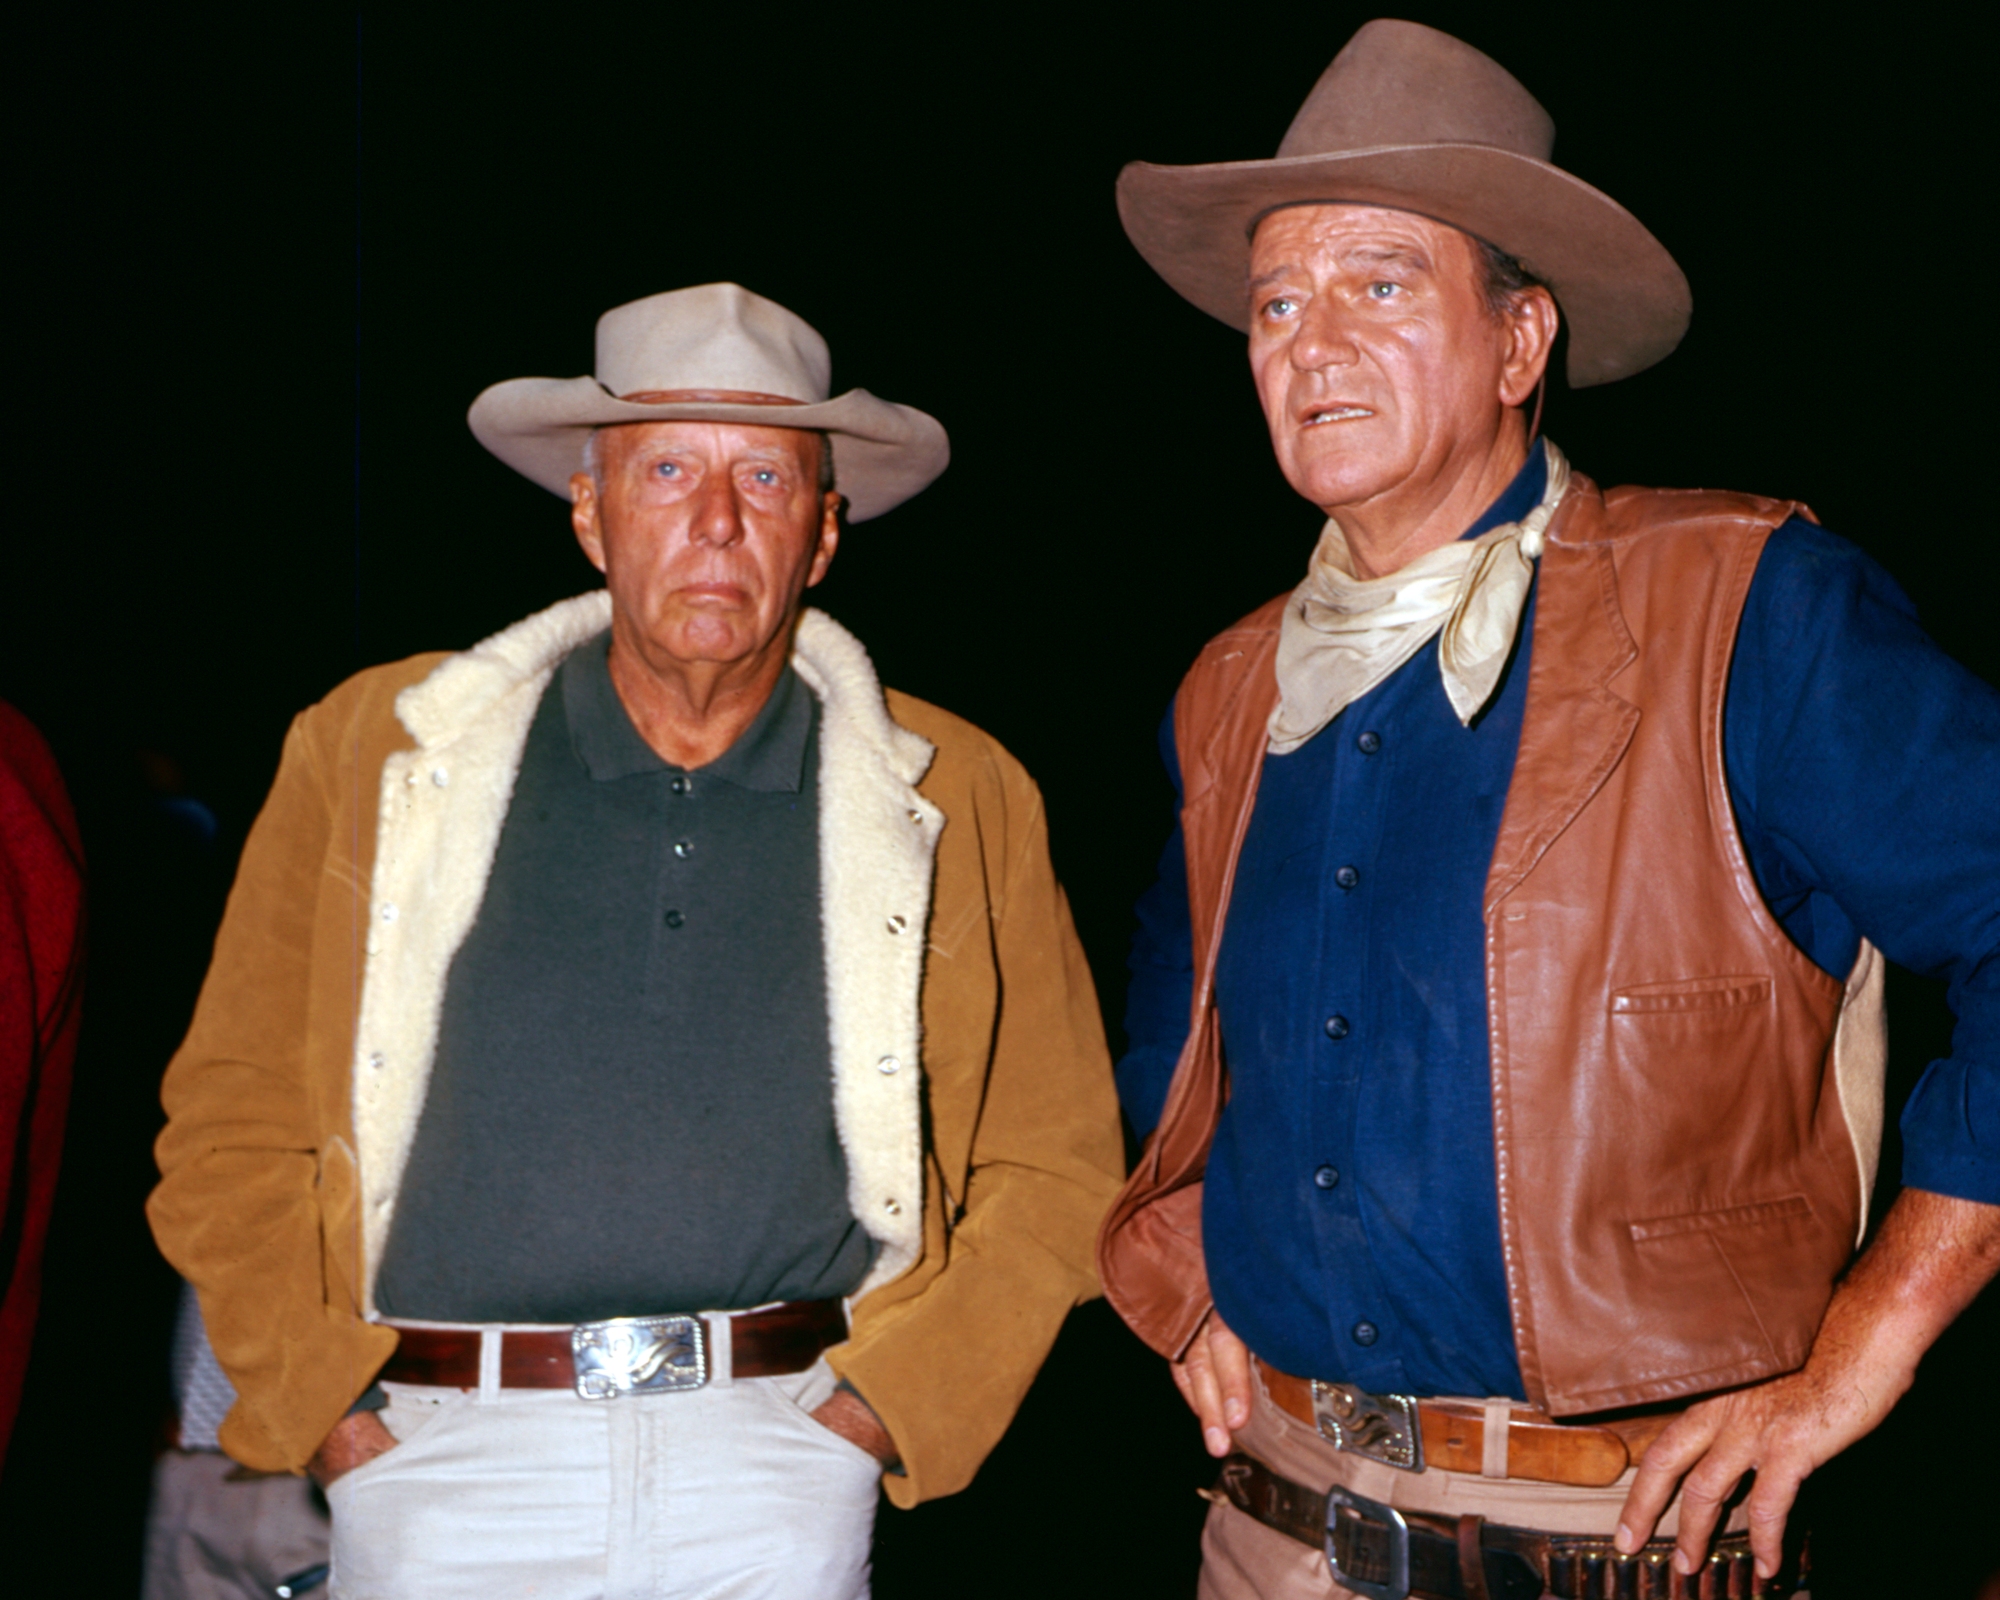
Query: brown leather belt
[763, 1344]
[1454, 1436]
[1390, 1555]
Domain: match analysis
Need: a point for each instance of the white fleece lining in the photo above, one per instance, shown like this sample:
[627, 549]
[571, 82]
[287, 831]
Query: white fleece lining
[442, 807]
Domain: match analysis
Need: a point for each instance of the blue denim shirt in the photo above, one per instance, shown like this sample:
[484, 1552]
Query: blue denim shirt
[1350, 1215]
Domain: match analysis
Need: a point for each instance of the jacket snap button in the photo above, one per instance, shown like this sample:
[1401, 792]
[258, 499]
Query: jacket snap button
[1327, 1177]
[898, 924]
[1338, 1027]
[389, 913]
[1369, 743]
[377, 1061]
[440, 777]
[888, 1064]
[893, 1207]
[1366, 1333]
[1347, 877]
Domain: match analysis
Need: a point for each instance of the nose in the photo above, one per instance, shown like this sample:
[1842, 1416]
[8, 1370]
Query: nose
[1324, 337]
[716, 518]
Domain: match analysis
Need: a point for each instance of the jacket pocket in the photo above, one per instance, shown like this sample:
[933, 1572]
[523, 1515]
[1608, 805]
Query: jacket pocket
[1685, 995]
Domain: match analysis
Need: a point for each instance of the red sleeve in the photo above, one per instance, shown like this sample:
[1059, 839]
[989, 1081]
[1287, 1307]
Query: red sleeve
[41, 948]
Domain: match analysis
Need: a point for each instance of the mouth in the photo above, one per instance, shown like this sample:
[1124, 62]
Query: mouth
[1334, 413]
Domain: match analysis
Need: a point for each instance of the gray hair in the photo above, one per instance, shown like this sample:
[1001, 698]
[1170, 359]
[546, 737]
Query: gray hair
[593, 459]
[1502, 278]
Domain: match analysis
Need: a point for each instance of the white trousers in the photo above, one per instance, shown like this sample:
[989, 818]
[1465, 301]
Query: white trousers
[729, 1492]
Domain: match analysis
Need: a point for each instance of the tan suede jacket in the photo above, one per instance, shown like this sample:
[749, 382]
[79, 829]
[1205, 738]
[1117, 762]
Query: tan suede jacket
[972, 1089]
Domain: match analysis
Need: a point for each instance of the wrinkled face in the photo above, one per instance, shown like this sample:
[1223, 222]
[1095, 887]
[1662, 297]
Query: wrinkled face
[707, 534]
[1381, 370]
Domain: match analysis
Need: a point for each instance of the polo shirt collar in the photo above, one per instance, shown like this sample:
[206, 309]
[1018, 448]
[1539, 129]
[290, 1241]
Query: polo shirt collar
[769, 756]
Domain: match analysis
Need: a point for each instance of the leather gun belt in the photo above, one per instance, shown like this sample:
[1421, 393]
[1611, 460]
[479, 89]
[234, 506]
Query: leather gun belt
[1453, 1436]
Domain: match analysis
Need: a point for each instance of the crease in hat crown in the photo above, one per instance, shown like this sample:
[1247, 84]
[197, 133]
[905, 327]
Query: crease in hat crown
[1411, 119]
[712, 353]
[1398, 83]
[713, 336]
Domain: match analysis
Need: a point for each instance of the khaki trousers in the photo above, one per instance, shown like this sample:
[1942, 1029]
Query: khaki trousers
[1244, 1560]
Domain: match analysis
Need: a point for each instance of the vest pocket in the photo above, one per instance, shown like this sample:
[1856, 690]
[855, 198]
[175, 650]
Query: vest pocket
[1752, 1268]
[1686, 995]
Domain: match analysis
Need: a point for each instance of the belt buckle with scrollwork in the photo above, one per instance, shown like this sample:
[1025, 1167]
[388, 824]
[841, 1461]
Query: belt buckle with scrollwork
[1382, 1427]
[639, 1355]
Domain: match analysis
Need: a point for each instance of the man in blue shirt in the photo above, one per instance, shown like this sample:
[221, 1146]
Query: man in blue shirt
[1506, 1020]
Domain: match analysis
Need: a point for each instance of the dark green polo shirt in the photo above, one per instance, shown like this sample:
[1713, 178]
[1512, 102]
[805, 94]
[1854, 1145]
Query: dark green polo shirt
[631, 1110]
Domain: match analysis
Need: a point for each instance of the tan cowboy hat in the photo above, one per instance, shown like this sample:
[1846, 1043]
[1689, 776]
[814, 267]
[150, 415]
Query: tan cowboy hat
[714, 338]
[1413, 119]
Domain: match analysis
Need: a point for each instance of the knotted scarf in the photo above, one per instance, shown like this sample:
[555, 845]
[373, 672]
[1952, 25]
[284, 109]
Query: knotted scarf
[1342, 635]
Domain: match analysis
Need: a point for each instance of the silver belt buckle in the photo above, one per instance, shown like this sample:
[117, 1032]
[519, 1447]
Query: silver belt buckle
[1382, 1427]
[1360, 1506]
[639, 1355]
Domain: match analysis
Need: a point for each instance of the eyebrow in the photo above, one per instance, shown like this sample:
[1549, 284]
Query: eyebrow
[1389, 256]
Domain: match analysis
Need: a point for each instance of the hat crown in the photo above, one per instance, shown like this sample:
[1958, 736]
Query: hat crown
[713, 336]
[1400, 83]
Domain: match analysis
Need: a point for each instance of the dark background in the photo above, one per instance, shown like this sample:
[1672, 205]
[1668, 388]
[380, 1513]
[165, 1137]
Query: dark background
[272, 262]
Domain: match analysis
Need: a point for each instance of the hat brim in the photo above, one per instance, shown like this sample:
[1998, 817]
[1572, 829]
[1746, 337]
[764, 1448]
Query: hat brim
[883, 453]
[1626, 301]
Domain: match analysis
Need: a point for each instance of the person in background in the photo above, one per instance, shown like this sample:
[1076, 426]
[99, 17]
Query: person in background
[41, 989]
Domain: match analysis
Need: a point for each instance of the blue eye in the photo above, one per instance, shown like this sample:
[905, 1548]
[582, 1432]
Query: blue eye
[1283, 306]
[1382, 291]
[765, 475]
[668, 469]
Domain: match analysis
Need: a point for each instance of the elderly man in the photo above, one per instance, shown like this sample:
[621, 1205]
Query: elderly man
[648, 1083]
[1506, 1019]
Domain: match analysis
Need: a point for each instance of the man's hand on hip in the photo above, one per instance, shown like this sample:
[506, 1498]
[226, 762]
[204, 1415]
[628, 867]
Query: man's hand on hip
[1214, 1379]
[356, 1439]
[851, 1417]
[1932, 1256]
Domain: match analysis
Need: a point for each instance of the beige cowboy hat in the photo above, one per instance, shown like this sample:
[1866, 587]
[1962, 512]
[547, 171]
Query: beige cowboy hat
[716, 338]
[1413, 119]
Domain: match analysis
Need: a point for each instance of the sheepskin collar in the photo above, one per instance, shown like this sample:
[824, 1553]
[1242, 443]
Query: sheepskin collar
[444, 802]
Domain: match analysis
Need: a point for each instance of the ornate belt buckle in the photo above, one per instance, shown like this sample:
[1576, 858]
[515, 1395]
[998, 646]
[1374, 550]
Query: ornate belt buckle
[1382, 1427]
[639, 1355]
[1359, 1506]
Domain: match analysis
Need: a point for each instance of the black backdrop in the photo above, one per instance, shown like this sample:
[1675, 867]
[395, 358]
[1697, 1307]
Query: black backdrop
[272, 261]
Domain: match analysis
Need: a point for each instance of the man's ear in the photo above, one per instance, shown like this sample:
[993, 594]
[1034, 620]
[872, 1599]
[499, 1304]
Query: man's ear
[1532, 321]
[831, 505]
[583, 517]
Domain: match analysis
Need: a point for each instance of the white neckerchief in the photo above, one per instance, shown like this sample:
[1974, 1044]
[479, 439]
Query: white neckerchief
[1342, 635]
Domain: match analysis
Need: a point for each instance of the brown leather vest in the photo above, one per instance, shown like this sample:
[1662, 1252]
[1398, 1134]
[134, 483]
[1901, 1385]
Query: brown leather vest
[1679, 1183]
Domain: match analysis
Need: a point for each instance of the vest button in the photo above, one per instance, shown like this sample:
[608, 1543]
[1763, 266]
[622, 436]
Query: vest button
[678, 784]
[673, 919]
[1366, 1333]
[1347, 877]
[683, 848]
[1326, 1177]
[1337, 1027]
[1368, 743]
